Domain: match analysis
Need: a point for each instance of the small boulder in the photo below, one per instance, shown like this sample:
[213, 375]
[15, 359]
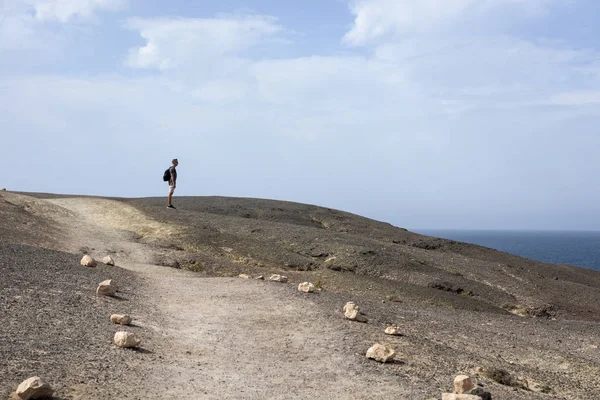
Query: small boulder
[88, 261]
[278, 278]
[393, 330]
[34, 388]
[108, 260]
[126, 339]
[352, 312]
[120, 319]
[260, 278]
[455, 396]
[381, 353]
[306, 287]
[464, 383]
[106, 288]
[244, 276]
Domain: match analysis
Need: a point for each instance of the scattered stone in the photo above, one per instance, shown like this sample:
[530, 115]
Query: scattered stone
[106, 288]
[126, 339]
[120, 319]
[34, 388]
[381, 353]
[244, 276]
[352, 312]
[454, 396]
[306, 287]
[278, 278]
[260, 278]
[108, 260]
[464, 383]
[88, 261]
[393, 330]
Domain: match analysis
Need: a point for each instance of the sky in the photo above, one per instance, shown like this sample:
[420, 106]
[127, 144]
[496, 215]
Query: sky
[457, 114]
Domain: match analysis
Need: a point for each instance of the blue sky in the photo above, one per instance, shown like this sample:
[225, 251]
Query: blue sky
[425, 114]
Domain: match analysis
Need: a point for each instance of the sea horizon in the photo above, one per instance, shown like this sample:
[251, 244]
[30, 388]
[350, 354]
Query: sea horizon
[572, 247]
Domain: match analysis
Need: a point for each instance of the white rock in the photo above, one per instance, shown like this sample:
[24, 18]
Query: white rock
[350, 306]
[352, 312]
[126, 339]
[120, 319]
[393, 330]
[34, 388]
[108, 260]
[244, 276]
[88, 261]
[260, 278]
[106, 288]
[381, 353]
[278, 278]
[306, 287]
[464, 383]
[455, 396]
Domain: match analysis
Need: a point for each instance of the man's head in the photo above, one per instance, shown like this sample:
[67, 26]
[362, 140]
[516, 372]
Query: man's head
[175, 162]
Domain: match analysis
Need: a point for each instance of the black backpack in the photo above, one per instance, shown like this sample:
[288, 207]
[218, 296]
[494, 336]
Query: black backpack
[167, 175]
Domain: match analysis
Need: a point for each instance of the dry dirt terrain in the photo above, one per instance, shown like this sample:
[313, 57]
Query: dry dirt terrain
[526, 330]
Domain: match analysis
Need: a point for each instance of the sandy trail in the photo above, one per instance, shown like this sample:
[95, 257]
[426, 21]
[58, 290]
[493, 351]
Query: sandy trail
[220, 338]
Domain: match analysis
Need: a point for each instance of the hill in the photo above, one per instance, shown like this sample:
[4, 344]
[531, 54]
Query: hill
[528, 330]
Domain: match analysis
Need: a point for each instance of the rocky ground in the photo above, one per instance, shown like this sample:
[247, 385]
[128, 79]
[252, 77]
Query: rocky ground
[526, 330]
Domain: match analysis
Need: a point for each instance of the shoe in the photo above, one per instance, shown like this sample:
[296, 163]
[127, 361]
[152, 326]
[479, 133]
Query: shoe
[171, 206]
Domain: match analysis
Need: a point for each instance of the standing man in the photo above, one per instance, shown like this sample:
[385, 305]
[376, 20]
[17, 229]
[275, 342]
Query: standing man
[172, 181]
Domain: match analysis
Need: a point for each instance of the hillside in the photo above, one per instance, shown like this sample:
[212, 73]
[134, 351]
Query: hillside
[463, 308]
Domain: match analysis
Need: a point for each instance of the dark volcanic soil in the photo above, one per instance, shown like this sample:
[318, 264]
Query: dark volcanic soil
[527, 330]
[53, 324]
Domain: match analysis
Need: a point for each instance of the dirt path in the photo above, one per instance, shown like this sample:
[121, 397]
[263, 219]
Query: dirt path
[221, 338]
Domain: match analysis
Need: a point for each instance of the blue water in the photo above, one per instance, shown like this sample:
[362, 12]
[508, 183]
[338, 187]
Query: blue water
[567, 247]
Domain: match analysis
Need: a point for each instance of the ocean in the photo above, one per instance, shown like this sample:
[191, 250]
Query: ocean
[557, 247]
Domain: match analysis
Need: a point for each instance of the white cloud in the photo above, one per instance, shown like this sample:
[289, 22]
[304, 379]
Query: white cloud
[375, 19]
[577, 98]
[175, 42]
[66, 10]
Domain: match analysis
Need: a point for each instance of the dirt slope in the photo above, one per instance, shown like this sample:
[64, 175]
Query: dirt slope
[207, 335]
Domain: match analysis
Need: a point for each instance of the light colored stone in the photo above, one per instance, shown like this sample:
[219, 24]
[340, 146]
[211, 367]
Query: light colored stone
[120, 319]
[260, 278]
[352, 312]
[106, 288]
[381, 353]
[108, 260]
[463, 383]
[306, 287]
[88, 261]
[244, 276]
[393, 330]
[34, 388]
[126, 339]
[350, 306]
[278, 278]
[455, 396]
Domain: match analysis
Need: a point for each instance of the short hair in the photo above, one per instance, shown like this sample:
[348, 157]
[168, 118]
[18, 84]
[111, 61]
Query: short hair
[174, 161]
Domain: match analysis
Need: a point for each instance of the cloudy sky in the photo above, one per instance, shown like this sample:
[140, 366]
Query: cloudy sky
[421, 113]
